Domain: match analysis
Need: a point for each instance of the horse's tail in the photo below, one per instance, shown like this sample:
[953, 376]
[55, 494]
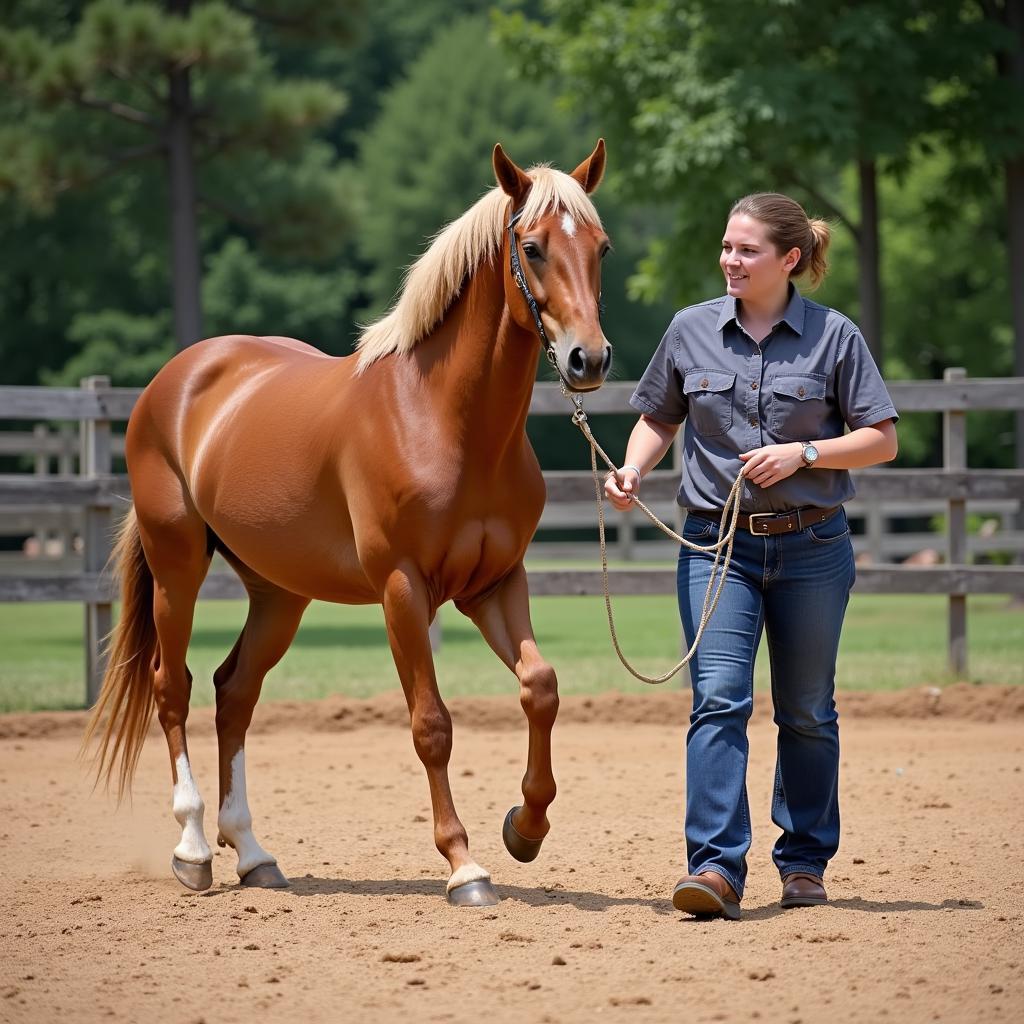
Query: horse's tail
[124, 708]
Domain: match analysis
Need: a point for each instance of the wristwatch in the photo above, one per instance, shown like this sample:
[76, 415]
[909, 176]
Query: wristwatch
[809, 454]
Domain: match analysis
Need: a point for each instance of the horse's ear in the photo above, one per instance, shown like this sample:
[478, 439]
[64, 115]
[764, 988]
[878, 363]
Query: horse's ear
[512, 179]
[591, 171]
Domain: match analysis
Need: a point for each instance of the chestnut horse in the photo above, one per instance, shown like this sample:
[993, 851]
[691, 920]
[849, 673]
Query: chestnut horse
[401, 475]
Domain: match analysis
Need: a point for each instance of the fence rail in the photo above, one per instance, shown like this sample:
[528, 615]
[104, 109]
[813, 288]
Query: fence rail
[96, 494]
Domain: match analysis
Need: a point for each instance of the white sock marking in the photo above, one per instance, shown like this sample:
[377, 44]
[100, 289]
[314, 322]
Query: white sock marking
[467, 873]
[235, 821]
[188, 810]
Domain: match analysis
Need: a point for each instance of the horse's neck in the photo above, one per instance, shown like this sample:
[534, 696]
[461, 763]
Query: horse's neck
[479, 364]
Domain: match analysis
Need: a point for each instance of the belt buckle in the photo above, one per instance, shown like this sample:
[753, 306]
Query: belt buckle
[759, 515]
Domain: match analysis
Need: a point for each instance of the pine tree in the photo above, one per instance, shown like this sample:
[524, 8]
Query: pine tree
[101, 90]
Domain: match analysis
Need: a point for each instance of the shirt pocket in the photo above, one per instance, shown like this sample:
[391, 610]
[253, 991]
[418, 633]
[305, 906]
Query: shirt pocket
[798, 406]
[709, 395]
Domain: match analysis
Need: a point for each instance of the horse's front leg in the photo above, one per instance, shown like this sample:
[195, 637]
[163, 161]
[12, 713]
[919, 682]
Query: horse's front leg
[504, 620]
[407, 614]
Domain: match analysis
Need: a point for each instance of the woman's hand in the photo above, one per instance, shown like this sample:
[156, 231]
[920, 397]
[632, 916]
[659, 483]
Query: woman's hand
[772, 463]
[621, 485]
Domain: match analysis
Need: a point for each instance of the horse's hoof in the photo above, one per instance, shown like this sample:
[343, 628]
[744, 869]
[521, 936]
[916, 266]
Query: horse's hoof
[196, 877]
[519, 846]
[474, 894]
[265, 876]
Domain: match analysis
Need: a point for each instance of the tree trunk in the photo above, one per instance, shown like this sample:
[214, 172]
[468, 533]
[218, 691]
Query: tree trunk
[1014, 175]
[868, 261]
[185, 255]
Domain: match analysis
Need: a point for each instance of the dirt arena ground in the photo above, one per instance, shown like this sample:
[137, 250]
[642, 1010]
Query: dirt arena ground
[926, 921]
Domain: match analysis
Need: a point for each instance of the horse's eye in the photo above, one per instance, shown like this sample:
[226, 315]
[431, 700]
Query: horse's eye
[605, 250]
[531, 250]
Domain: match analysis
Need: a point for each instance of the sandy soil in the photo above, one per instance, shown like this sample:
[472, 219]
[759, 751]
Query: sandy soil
[926, 920]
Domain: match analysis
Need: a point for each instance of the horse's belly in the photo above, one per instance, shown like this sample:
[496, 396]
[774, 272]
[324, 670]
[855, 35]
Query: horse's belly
[289, 534]
[306, 564]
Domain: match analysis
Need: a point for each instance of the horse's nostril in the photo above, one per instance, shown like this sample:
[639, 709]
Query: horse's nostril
[577, 362]
[606, 363]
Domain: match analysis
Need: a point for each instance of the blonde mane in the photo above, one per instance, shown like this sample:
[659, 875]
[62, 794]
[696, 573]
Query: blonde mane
[434, 281]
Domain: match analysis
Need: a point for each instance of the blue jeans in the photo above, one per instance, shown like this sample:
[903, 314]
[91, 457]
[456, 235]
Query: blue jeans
[796, 587]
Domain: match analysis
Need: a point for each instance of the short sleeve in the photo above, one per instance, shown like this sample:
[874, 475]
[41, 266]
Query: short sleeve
[659, 394]
[860, 391]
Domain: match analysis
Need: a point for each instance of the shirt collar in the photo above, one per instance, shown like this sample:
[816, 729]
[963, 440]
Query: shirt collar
[793, 314]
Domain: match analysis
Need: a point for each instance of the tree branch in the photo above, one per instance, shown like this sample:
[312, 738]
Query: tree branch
[115, 161]
[232, 214]
[826, 203]
[130, 79]
[121, 110]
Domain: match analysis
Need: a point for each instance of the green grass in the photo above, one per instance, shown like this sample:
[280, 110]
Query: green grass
[889, 642]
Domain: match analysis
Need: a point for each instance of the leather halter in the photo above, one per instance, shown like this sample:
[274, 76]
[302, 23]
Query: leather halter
[520, 279]
[579, 416]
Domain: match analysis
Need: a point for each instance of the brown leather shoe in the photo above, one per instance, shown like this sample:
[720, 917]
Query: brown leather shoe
[803, 890]
[706, 895]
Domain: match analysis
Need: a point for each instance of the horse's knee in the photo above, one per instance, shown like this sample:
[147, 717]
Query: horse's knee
[538, 693]
[432, 734]
[171, 696]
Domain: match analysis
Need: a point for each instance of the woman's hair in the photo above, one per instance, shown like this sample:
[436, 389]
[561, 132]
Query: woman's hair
[789, 227]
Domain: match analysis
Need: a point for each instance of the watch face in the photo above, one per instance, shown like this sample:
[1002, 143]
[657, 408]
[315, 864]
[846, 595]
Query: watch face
[810, 453]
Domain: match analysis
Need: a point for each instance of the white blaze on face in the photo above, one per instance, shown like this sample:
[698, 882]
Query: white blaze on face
[235, 821]
[568, 225]
[188, 810]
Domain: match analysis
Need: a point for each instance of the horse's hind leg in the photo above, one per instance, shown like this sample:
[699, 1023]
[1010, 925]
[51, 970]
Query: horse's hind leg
[174, 539]
[407, 614]
[274, 616]
[504, 620]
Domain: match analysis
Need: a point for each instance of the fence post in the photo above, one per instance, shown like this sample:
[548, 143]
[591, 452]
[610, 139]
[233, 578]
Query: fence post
[874, 527]
[97, 542]
[40, 433]
[954, 458]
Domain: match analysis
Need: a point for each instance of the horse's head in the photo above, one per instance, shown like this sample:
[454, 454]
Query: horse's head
[552, 255]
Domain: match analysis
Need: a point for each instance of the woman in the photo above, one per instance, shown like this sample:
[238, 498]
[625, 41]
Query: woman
[764, 380]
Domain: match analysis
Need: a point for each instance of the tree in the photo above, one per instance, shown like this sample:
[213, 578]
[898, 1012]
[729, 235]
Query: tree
[714, 108]
[981, 108]
[110, 85]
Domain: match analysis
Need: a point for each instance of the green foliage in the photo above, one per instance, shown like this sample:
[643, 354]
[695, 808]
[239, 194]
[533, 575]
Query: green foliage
[128, 348]
[243, 295]
[333, 139]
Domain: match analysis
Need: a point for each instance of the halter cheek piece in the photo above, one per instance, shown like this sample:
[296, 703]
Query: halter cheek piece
[520, 279]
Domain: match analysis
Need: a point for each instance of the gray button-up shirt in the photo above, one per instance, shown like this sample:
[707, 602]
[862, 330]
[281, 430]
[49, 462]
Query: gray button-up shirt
[808, 379]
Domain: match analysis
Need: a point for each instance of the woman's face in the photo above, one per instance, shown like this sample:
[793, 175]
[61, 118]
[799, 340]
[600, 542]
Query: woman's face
[754, 269]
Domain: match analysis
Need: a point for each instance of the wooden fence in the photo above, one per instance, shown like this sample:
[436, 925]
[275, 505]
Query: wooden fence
[98, 493]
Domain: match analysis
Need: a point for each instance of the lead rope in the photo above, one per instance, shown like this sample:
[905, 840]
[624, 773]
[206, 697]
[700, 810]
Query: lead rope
[730, 511]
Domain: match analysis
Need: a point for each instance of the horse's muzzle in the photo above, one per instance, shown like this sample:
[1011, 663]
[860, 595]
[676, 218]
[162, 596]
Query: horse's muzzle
[585, 369]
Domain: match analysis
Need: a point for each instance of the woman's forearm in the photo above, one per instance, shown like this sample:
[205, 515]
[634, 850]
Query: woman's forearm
[648, 443]
[866, 446]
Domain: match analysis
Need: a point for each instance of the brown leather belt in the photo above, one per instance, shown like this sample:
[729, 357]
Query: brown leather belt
[767, 524]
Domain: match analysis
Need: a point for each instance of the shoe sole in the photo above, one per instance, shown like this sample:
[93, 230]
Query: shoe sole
[803, 901]
[703, 901]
